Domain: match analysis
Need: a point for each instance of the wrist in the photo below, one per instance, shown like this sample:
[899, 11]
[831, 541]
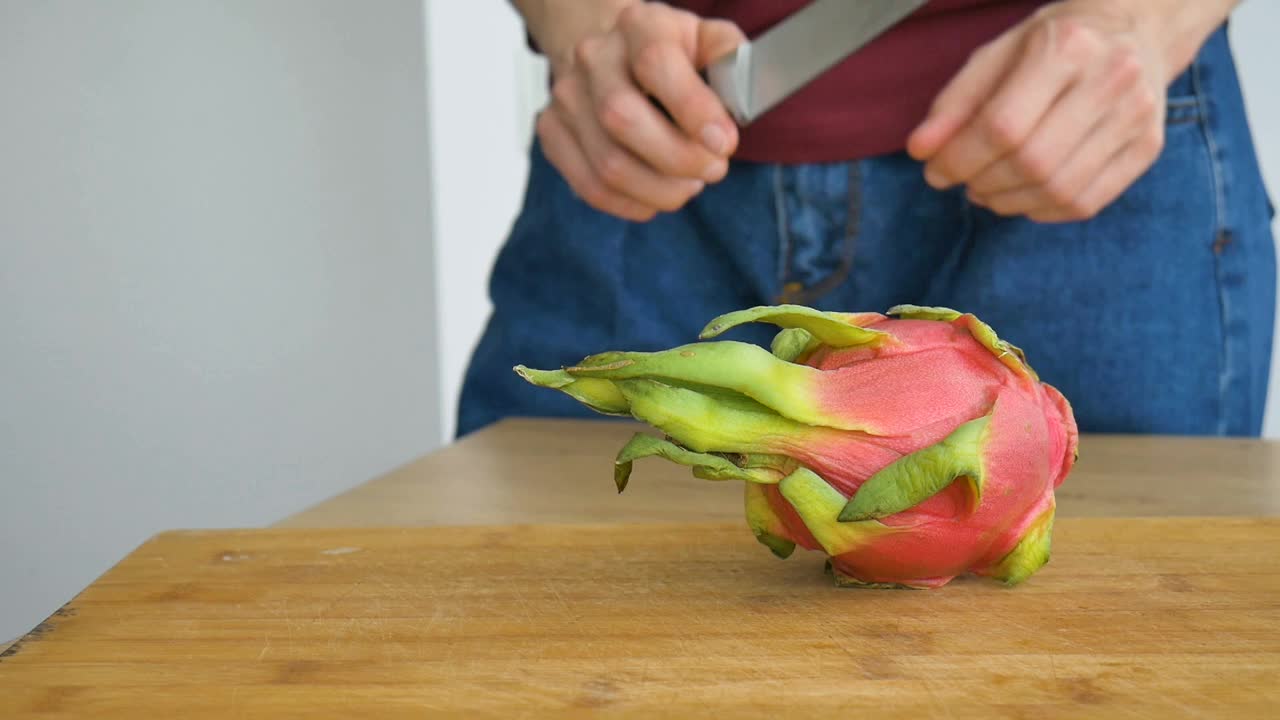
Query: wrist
[557, 26]
[1177, 29]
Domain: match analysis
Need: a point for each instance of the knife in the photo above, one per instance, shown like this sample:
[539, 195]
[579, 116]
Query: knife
[765, 71]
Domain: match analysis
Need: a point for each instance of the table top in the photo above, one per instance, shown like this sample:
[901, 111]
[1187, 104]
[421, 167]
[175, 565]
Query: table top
[1148, 618]
[561, 471]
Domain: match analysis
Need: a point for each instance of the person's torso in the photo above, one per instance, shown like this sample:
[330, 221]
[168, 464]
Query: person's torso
[869, 103]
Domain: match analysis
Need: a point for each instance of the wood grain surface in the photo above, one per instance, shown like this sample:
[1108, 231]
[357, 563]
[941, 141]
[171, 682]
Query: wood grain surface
[559, 471]
[1151, 618]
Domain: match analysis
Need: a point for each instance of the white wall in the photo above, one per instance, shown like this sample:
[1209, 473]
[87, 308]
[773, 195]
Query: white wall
[216, 285]
[484, 89]
[1257, 57]
[484, 180]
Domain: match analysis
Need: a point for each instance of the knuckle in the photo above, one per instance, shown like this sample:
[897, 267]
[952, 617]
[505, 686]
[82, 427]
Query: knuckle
[982, 53]
[1151, 143]
[717, 26]
[1145, 105]
[544, 124]
[586, 49]
[683, 159]
[1080, 209]
[1005, 128]
[1061, 193]
[1073, 41]
[998, 204]
[593, 194]
[715, 171]
[563, 91]
[1125, 65]
[611, 167]
[681, 194]
[1068, 201]
[615, 111]
[1036, 165]
[648, 62]
[634, 15]
[672, 202]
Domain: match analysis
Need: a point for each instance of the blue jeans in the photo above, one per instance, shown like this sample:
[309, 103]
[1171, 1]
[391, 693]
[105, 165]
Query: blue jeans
[1155, 316]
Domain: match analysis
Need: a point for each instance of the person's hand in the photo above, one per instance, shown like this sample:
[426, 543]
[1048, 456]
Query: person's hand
[618, 151]
[1056, 117]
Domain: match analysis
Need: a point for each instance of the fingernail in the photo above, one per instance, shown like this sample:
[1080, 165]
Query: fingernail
[696, 187]
[715, 138]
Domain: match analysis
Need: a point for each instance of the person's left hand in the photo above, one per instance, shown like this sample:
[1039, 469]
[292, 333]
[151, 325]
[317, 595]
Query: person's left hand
[1053, 119]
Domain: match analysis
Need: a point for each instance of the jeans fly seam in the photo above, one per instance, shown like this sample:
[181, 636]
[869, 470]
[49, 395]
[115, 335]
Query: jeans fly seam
[852, 222]
[969, 233]
[1219, 229]
[807, 294]
[784, 230]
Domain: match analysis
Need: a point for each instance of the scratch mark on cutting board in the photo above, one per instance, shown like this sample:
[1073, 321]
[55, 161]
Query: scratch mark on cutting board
[341, 551]
[334, 602]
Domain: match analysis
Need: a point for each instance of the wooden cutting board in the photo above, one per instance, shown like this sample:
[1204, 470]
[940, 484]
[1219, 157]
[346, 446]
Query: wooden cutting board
[1156, 618]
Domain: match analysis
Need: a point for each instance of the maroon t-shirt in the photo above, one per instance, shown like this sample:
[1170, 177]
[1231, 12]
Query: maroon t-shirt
[869, 103]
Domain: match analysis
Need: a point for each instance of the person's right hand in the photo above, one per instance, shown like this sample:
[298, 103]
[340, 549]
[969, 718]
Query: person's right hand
[618, 151]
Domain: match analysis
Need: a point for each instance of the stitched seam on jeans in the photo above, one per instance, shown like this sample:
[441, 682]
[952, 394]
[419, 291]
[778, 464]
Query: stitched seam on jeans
[969, 232]
[784, 229]
[853, 220]
[1220, 214]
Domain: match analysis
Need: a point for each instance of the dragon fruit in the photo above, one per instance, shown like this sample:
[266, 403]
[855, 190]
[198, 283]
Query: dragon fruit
[910, 448]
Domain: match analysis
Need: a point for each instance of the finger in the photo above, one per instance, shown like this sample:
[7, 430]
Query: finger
[667, 47]
[1065, 186]
[1079, 113]
[1058, 138]
[1122, 169]
[962, 96]
[681, 90]
[563, 152]
[716, 38]
[626, 174]
[620, 107]
[1133, 120]
[667, 73]
[1040, 73]
[615, 167]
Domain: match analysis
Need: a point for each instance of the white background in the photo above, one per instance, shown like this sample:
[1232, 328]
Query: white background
[244, 250]
[216, 276]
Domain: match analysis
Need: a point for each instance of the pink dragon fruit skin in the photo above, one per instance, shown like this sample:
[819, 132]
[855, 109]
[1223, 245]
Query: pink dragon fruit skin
[910, 448]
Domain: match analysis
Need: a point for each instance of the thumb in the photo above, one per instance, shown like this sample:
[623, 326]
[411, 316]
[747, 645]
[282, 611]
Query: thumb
[716, 38]
[957, 103]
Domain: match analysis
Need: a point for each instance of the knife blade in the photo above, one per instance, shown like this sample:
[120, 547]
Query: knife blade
[761, 73]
